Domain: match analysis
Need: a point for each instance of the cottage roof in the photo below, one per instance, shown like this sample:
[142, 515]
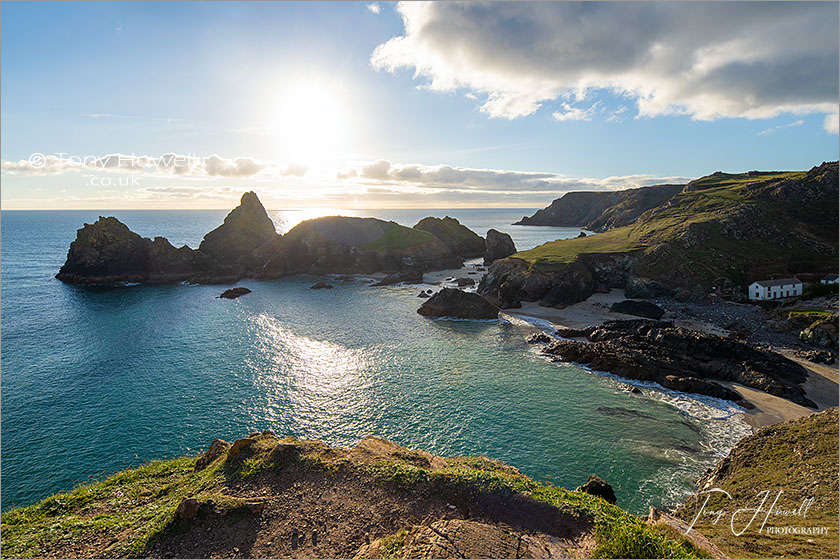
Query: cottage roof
[830, 277]
[778, 282]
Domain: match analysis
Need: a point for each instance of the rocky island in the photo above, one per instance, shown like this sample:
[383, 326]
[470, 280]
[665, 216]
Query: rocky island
[247, 245]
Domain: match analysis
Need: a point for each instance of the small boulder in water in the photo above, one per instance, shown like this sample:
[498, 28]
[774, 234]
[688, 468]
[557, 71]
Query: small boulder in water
[451, 302]
[465, 282]
[423, 295]
[321, 286]
[538, 338]
[234, 293]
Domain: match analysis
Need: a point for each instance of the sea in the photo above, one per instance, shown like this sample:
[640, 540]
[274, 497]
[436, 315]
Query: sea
[98, 379]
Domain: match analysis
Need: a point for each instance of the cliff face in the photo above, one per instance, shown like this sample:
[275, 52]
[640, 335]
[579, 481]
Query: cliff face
[722, 231]
[246, 244]
[600, 211]
[795, 464]
[268, 497]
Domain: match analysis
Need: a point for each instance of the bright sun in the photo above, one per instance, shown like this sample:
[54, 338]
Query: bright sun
[310, 122]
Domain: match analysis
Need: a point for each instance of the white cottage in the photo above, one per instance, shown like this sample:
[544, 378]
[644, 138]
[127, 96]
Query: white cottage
[830, 279]
[775, 289]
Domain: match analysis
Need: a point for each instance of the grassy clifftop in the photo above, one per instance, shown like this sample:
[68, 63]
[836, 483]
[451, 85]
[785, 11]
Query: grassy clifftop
[789, 470]
[264, 497]
[735, 226]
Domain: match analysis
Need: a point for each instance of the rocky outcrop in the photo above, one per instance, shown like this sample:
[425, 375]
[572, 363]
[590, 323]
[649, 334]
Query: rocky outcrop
[246, 244]
[345, 245]
[411, 276]
[597, 486]
[451, 302]
[638, 308]
[498, 245]
[234, 293]
[107, 252]
[460, 239]
[511, 281]
[822, 333]
[245, 229]
[681, 359]
[600, 211]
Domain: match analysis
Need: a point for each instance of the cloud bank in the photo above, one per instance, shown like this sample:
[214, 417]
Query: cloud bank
[706, 60]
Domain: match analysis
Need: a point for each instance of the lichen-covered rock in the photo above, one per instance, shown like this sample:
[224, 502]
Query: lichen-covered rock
[451, 302]
[246, 228]
[497, 246]
[216, 449]
[460, 239]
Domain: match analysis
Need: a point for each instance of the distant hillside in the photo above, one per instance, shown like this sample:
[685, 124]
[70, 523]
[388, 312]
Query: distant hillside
[600, 211]
[796, 461]
[723, 230]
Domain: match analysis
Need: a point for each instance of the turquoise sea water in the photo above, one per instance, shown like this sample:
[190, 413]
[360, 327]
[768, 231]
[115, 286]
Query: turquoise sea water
[97, 379]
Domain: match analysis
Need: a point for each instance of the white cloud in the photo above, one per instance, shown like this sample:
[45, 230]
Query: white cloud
[830, 124]
[163, 165]
[705, 60]
[373, 8]
[774, 129]
[465, 180]
[574, 113]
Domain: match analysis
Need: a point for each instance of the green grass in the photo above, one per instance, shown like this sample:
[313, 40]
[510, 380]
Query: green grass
[400, 237]
[704, 206]
[136, 507]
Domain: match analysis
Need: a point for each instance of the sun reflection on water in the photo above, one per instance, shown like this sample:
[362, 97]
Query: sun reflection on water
[311, 386]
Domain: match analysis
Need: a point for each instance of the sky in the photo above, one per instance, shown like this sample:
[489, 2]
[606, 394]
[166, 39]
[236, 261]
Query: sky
[388, 105]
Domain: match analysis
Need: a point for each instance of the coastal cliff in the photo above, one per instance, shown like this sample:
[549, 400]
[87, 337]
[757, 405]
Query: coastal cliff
[264, 496]
[718, 234]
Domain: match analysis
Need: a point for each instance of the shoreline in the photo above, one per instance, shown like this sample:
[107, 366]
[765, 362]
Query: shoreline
[821, 386]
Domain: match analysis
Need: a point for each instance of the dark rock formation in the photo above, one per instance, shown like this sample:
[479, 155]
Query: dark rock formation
[818, 356]
[461, 240]
[637, 287]
[638, 308]
[411, 276]
[234, 293]
[424, 295]
[465, 282]
[681, 359]
[582, 234]
[321, 286]
[600, 211]
[345, 245]
[498, 245]
[107, 252]
[244, 230]
[451, 302]
[597, 486]
[539, 338]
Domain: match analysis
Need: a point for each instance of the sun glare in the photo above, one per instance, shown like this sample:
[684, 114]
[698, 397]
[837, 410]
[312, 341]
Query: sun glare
[310, 122]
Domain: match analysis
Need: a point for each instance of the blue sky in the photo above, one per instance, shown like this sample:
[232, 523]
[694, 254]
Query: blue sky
[336, 105]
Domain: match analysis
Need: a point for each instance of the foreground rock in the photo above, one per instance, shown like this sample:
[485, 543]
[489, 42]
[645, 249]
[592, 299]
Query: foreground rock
[460, 239]
[681, 359]
[234, 293]
[451, 302]
[797, 462]
[498, 245]
[638, 308]
[822, 333]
